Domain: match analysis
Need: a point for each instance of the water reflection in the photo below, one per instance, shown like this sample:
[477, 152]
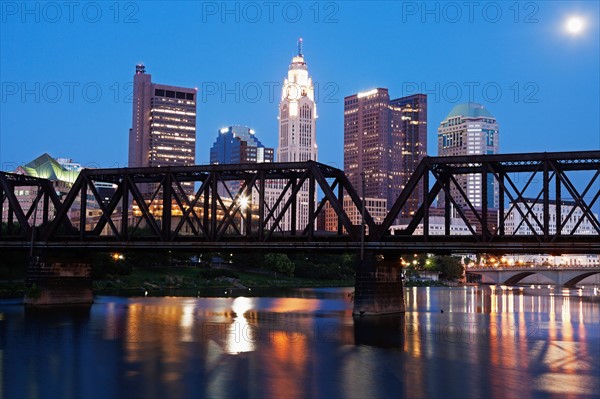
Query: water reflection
[240, 337]
[383, 331]
[489, 341]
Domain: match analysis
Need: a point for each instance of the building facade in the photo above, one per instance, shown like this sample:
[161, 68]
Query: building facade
[437, 227]
[297, 134]
[235, 145]
[376, 207]
[239, 144]
[570, 215]
[384, 141]
[163, 131]
[470, 129]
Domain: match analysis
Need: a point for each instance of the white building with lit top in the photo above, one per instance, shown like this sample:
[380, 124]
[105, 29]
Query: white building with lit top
[297, 133]
[297, 114]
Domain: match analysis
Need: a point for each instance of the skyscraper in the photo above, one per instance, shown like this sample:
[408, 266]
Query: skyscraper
[384, 140]
[297, 114]
[297, 132]
[239, 144]
[409, 116]
[163, 129]
[470, 129]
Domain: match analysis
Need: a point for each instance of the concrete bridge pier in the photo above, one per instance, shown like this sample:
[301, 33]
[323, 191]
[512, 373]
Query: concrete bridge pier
[53, 279]
[378, 288]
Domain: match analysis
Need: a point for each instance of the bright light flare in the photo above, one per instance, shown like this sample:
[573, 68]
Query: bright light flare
[243, 202]
[575, 25]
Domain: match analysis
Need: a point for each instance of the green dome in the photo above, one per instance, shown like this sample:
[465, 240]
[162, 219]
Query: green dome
[469, 110]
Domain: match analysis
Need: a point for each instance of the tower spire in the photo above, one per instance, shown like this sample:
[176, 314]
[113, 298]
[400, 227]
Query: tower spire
[300, 47]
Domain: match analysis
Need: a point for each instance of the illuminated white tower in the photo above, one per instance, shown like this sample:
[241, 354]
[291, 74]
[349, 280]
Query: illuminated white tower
[297, 114]
[297, 132]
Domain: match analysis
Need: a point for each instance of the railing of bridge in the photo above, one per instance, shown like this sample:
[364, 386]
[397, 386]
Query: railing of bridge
[540, 200]
[529, 267]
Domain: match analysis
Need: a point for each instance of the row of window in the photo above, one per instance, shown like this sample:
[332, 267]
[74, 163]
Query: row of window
[174, 94]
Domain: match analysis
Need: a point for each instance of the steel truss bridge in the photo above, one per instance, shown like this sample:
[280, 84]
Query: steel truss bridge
[234, 207]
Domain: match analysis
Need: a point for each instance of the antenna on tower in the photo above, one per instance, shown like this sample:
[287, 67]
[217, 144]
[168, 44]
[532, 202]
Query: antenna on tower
[300, 47]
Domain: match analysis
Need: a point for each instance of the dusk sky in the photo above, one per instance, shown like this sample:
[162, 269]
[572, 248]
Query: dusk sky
[66, 70]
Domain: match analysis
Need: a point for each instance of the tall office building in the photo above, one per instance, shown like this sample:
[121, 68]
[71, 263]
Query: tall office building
[384, 141]
[470, 129]
[409, 115]
[239, 144]
[297, 131]
[163, 129]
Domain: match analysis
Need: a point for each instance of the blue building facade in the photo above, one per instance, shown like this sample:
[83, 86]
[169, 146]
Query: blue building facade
[239, 144]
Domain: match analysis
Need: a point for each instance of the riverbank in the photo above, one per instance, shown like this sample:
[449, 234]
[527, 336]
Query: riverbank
[158, 279]
[164, 279]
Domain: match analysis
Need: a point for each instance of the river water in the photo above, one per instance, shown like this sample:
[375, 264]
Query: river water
[459, 342]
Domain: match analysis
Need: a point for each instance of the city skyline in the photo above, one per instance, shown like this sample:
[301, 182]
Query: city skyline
[438, 236]
[534, 81]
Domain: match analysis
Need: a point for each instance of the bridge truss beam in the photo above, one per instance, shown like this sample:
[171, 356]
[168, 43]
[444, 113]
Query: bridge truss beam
[255, 206]
[517, 178]
[230, 202]
[18, 218]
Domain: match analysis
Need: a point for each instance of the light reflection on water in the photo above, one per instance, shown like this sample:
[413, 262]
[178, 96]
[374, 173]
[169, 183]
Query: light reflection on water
[453, 342]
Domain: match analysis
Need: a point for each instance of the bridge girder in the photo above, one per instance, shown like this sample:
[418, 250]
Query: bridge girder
[505, 170]
[155, 202]
[152, 207]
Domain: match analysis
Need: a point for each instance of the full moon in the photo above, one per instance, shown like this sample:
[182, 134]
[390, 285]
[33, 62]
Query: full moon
[575, 25]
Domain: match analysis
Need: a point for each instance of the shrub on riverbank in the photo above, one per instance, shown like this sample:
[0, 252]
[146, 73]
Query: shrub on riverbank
[324, 267]
[208, 274]
[279, 263]
[304, 265]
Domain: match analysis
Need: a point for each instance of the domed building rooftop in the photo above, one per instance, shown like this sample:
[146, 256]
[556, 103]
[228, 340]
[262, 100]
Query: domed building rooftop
[469, 110]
